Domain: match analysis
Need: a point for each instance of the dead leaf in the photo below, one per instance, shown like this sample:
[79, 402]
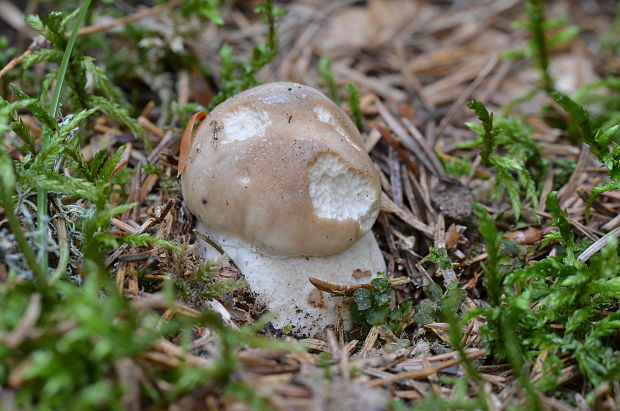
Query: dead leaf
[530, 235]
[186, 140]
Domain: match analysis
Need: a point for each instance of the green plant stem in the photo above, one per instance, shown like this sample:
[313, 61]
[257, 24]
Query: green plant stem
[536, 14]
[492, 271]
[515, 358]
[354, 105]
[325, 70]
[42, 194]
[272, 38]
[5, 199]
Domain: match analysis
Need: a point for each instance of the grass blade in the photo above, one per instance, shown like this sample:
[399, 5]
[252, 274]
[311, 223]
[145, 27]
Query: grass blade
[42, 194]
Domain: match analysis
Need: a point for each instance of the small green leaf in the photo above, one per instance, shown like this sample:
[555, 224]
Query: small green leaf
[39, 112]
[608, 134]
[507, 163]
[106, 214]
[363, 298]
[59, 183]
[381, 284]
[564, 36]
[579, 115]
[453, 299]
[204, 8]
[489, 134]
[109, 165]
[560, 220]
[475, 127]
[439, 256]
[146, 239]
[377, 315]
[382, 298]
[424, 314]
[22, 131]
[434, 292]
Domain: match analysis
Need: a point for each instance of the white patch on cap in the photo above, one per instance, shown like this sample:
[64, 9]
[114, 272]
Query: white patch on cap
[243, 123]
[339, 192]
[323, 115]
[244, 180]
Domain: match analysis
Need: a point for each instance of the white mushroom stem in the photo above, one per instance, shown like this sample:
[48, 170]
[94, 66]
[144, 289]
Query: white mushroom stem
[282, 282]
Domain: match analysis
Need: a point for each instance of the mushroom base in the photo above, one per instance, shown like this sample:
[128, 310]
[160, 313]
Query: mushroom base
[282, 282]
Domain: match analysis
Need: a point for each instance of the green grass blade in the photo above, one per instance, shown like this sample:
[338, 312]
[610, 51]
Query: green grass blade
[64, 63]
[42, 194]
[325, 70]
[536, 15]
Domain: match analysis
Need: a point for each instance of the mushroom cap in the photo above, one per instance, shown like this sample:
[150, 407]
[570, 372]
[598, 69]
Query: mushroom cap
[283, 168]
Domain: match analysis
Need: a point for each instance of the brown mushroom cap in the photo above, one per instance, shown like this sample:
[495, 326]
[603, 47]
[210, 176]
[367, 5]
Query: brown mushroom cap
[281, 167]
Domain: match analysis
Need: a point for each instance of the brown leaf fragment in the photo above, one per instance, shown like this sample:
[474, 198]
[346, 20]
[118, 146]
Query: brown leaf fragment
[452, 237]
[290, 390]
[386, 133]
[530, 235]
[186, 140]
[334, 289]
[347, 290]
[408, 395]
[147, 186]
[151, 128]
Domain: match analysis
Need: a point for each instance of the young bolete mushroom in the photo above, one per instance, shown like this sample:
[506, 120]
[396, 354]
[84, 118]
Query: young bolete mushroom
[278, 176]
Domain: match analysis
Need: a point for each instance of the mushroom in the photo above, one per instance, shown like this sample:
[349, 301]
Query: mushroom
[278, 176]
